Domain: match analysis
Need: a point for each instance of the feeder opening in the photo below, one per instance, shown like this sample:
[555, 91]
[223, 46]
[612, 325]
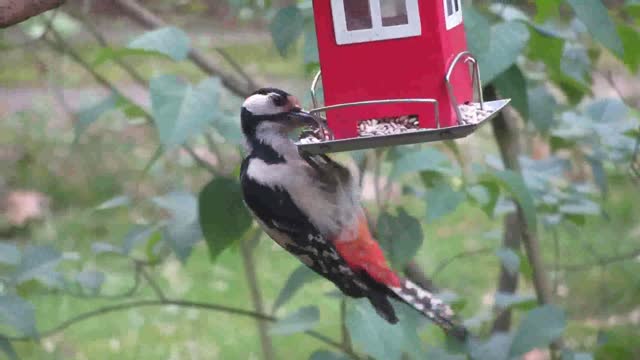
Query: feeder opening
[394, 12]
[357, 14]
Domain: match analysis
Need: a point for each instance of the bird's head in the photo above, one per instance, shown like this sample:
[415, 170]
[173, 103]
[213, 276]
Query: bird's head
[275, 110]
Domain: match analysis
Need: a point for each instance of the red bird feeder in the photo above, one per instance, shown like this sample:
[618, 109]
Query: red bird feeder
[394, 72]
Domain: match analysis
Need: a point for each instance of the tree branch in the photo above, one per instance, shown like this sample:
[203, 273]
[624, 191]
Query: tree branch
[256, 296]
[602, 261]
[458, 256]
[16, 11]
[151, 21]
[180, 303]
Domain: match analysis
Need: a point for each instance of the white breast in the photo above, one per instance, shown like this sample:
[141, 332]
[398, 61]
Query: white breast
[330, 212]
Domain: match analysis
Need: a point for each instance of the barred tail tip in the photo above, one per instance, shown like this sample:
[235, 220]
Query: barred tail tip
[431, 307]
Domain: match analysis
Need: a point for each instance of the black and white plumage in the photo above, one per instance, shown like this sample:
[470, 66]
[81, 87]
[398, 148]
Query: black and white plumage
[307, 205]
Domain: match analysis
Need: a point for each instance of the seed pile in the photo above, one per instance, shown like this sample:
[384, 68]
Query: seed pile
[472, 114]
[314, 135]
[388, 126]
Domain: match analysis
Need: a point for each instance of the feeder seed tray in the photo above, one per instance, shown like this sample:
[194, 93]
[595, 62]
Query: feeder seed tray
[473, 116]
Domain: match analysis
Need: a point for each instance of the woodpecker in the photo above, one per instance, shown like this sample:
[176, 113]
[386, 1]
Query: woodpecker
[310, 206]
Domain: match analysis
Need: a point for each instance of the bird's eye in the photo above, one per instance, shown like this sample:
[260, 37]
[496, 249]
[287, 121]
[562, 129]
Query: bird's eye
[278, 100]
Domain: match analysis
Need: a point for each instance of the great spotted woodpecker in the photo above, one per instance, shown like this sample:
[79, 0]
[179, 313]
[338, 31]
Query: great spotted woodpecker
[310, 206]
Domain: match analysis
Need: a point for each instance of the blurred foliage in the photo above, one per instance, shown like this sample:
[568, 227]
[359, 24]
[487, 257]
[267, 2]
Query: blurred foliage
[544, 54]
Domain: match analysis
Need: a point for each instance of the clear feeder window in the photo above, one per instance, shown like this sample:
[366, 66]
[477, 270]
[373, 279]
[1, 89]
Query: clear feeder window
[453, 13]
[394, 12]
[357, 21]
[357, 14]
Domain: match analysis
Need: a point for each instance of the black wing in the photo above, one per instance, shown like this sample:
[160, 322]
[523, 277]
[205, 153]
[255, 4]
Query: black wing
[276, 210]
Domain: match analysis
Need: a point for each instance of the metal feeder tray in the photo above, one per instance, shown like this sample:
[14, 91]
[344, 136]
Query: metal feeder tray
[412, 137]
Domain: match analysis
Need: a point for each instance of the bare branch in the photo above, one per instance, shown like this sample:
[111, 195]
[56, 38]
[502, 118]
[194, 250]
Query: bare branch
[254, 290]
[180, 303]
[443, 265]
[602, 261]
[16, 11]
[154, 285]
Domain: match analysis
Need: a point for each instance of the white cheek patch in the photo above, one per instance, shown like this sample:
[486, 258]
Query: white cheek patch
[259, 104]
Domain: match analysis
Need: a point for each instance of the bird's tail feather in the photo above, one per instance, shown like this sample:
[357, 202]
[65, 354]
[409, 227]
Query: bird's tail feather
[433, 308]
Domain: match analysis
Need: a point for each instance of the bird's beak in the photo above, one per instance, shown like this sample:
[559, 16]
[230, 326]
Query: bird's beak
[300, 118]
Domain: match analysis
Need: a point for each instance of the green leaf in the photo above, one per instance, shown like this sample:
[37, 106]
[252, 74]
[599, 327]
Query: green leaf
[547, 48]
[442, 200]
[91, 280]
[376, 337]
[508, 40]
[298, 278]
[92, 113]
[505, 301]
[310, 44]
[580, 207]
[515, 185]
[286, 27]
[492, 189]
[183, 231]
[512, 84]
[179, 204]
[223, 216]
[400, 236]
[19, 314]
[540, 327]
[595, 16]
[576, 65]
[9, 351]
[442, 354]
[546, 9]
[478, 30]
[509, 259]
[169, 41]
[607, 110]
[570, 355]
[630, 39]
[525, 266]
[106, 248]
[9, 254]
[427, 159]
[118, 201]
[138, 234]
[495, 348]
[38, 263]
[327, 355]
[304, 319]
[181, 111]
[541, 108]
[599, 174]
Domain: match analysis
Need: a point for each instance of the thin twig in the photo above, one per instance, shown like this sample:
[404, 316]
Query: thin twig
[602, 261]
[154, 285]
[256, 295]
[200, 161]
[346, 339]
[234, 64]
[180, 303]
[469, 253]
[143, 303]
